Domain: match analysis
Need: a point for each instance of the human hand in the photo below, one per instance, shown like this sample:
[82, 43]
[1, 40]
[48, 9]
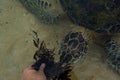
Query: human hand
[30, 74]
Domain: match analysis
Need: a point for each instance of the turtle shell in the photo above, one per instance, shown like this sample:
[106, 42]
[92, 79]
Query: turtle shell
[102, 16]
[43, 9]
[73, 47]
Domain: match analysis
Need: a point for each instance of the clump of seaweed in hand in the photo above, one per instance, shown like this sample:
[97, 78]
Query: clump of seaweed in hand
[53, 70]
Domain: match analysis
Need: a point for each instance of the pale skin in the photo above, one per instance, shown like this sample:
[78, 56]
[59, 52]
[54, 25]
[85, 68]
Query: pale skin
[30, 74]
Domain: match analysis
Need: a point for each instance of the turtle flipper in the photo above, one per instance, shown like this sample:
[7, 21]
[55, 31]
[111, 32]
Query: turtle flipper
[113, 54]
[43, 9]
[73, 47]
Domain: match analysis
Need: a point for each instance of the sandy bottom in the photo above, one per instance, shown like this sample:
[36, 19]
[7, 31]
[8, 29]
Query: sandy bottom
[17, 50]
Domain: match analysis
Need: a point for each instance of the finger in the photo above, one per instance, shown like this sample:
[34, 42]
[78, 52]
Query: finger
[41, 69]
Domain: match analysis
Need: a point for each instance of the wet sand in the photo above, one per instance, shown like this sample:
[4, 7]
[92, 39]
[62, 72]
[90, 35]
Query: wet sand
[17, 49]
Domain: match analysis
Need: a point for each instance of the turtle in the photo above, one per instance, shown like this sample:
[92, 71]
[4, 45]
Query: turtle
[99, 16]
[73, 48]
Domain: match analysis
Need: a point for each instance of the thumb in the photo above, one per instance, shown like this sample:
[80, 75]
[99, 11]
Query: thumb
[42, 67]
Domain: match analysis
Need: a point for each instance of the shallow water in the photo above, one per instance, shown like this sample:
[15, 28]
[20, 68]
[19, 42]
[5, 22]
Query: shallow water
[17, 50]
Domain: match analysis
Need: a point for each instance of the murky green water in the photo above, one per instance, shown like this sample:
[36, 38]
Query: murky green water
[17, 50]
